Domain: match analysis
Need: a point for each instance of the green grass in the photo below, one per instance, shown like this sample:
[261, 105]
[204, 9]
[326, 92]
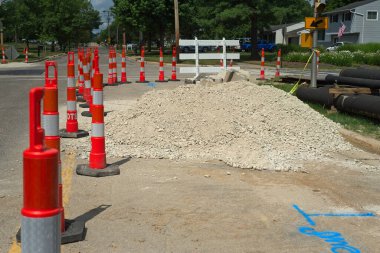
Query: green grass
[366, 48]
[356, 123]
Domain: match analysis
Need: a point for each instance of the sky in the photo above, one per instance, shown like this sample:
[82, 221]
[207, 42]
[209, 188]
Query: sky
[102, 5]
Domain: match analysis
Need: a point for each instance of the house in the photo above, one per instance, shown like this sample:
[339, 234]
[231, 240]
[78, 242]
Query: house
[361, 20]
[285, 34]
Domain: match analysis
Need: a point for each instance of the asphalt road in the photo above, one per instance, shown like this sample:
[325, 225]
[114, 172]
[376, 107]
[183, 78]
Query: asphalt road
[15, 82]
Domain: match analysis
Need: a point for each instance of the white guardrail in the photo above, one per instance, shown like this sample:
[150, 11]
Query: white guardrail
[208, 56]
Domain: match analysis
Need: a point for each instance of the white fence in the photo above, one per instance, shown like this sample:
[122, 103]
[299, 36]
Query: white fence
[208, 56]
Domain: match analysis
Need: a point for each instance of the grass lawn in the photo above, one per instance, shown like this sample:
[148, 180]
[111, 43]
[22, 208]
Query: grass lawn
[356, 123]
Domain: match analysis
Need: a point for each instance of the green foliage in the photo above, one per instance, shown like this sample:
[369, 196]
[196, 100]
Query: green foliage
[69, 21]
[296, 57]
[367, 48]
[286, 49]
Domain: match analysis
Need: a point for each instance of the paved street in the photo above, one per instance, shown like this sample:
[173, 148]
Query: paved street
[15, 83]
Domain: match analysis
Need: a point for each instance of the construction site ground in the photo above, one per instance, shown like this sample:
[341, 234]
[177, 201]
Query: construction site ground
[160, 205]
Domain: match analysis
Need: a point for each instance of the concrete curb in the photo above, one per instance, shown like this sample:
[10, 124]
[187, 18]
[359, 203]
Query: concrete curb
[48, 58]
[367, 143]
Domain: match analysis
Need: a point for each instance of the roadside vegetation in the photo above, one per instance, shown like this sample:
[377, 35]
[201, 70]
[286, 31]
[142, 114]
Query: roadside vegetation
[356, 123]
[346, 56]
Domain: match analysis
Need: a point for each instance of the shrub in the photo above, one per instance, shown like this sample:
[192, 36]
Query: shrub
[297, 57]
[342, 58]
[366, 48]
[286, 49]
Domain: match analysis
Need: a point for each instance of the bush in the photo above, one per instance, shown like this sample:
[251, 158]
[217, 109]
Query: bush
[286, 49]
[297, 57]
[342, 58]
[366, 48]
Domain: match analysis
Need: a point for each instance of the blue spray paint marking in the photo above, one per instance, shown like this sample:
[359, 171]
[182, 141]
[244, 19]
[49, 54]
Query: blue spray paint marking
[335, 239]
[312, 222]
[305, 215]
[151, 84]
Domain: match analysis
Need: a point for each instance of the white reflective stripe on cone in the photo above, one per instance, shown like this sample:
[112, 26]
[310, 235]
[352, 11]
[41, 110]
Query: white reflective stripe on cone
[70, 82]
[98, 98]
[97, 130]
[85, 69]
[50, 123]
[142, 59]
[142, 69]
[174, 69]
[122, 59]
[71, 105]
[161, 69]
[87, 84]
[41, 234]
[161, 59]
[81, 78]
[123, 70]
[174, 59]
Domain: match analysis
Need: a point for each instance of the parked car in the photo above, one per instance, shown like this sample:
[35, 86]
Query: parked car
[336, 46]
[191, 49]
[260, 44]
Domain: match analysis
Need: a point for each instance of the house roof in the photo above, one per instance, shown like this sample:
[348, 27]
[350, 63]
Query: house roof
[350, 6]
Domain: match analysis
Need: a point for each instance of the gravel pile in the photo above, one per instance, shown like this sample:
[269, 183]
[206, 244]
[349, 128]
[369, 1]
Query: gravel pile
[240, 123]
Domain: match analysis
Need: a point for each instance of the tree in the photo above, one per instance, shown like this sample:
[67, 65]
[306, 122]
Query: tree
[69, 21]
[333, 4]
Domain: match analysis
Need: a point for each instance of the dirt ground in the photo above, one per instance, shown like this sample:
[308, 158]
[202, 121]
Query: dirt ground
[191, 206]
[172, 206]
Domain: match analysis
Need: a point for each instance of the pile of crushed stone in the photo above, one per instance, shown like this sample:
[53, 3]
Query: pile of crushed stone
[240, 123]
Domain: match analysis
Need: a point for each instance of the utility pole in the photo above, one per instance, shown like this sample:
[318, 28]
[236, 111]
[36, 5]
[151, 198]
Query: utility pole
[176, 17]
[319, 6]
[314, 70]
[108, 12]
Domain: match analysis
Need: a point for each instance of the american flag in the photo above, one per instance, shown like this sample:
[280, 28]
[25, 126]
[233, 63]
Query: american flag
[341, 30]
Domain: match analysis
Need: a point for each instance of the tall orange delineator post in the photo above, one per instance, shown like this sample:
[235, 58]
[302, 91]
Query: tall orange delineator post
[3, 61]
[161, 75]
[174, 66]
[72, 130]
[26, 55]
[124, 65]
[278, 64]
[80, 97]
[87, 82]
[72, 231]
[114, 64]
[221, 58]
[97, 166]
[40, 223]
[142, 67]
[110, 67]
[262, 70]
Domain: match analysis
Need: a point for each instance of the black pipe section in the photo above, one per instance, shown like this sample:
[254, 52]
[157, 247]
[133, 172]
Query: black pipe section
[358, 82]
[365, 105]
[316, 95]
[361, 73]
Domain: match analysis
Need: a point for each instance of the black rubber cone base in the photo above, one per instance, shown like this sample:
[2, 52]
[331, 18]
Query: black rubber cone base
[110, 170]
[75, 231]
[163, 81]
[127, 82]
[81, 99]
[80, 134]
[89, 114]
[84, 105]
[174, 80]
[142, 82]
